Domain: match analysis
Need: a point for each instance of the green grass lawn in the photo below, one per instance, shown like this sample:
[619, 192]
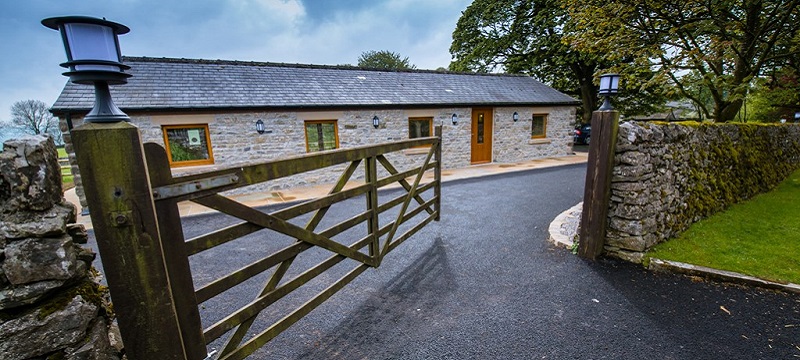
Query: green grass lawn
[67, 180]
[759, 237]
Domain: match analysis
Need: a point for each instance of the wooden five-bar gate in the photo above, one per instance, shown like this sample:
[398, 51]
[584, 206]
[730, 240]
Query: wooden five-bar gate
[134, 209]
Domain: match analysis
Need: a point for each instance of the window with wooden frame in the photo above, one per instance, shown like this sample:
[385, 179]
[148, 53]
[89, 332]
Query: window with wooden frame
[420, 127]
[188, 145]
[539, 126]
[321, 135]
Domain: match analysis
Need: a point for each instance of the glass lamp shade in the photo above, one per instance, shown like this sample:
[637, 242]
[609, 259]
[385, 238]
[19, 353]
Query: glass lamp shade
[609, 84]
[92, 42]
[92, 48]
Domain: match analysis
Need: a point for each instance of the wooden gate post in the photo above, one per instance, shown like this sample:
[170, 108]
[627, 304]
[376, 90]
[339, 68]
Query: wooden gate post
[597, 191]
[115, 178]
[437, 174]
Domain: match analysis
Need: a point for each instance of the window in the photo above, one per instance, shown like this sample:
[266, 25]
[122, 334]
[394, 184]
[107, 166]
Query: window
[539, 126]
[188, 145]
[420, 127]
[321, 135]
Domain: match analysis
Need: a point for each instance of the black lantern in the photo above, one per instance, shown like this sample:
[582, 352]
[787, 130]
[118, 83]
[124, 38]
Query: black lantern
[260, 126]
[515, 116]
[93, 58]
[376, 122]
[454, 118]
[609, 86]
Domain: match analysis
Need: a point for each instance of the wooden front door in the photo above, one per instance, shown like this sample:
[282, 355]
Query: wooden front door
[481, 136]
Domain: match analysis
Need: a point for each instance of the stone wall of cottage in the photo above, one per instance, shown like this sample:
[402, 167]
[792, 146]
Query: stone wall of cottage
[50, 304]
[513, 142]
[668, 176]
[235, 141]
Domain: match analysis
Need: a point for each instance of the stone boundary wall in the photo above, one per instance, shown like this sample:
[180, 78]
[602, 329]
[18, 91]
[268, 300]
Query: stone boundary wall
[51, 306]
[667, 176]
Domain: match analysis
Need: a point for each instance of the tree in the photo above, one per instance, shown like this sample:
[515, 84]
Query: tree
[527, 37]
[34, 117]
[384, 59]
[774, 97]
[713, 48]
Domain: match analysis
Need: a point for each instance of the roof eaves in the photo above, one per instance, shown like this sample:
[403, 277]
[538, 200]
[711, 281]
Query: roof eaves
[68, 110]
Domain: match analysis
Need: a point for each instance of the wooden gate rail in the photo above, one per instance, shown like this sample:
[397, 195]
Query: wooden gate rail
[204, 189]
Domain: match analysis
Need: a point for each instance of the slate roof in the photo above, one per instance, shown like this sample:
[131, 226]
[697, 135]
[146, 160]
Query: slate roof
[164, 84]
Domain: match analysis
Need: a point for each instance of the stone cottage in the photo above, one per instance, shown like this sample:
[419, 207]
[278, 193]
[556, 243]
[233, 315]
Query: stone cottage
[210, 113]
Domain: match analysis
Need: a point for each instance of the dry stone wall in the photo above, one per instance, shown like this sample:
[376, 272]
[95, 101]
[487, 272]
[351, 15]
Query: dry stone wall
[669, 175]
[50, 305]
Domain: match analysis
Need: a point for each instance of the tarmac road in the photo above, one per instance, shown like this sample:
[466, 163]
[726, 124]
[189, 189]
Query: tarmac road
[483, 283]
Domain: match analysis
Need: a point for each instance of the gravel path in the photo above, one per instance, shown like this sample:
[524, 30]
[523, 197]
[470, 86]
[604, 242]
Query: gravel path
[485, 284]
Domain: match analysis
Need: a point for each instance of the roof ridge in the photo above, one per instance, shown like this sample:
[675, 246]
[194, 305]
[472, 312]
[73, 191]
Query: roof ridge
[301, 66]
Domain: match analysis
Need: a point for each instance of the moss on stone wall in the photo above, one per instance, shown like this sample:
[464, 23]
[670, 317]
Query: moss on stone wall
[90, 291]
[693, 170]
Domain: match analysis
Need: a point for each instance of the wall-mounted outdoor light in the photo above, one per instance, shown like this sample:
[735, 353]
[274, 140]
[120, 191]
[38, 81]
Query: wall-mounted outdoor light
[94, 58]
[515, 116]
[609, 86]
[260, 126]
[376, 122]
[455, 119]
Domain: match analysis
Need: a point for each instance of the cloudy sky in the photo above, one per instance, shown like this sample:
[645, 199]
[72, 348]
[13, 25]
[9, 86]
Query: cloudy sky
[291, 31]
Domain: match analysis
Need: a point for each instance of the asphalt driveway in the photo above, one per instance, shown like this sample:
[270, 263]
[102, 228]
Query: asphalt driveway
[483, 283]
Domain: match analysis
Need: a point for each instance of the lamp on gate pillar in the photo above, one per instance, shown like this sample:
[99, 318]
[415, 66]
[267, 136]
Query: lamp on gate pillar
[93, 58]
[609, 86]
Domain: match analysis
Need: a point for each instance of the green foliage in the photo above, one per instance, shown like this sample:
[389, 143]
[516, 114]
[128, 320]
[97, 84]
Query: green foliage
[706, 49]
[775, 97]
[528, 37]
[181, 153]
[759, 238]
[384, 59]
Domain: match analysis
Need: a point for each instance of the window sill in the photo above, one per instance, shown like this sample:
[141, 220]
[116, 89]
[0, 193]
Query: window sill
[417, 151]
[541, 141]
[192, 169]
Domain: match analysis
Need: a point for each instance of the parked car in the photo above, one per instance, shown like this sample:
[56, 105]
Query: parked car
[583, 133]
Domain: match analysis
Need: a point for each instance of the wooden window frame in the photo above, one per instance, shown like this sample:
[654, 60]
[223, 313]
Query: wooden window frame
[335, 132]
[209, 161]
[430, 127]
[544, 126]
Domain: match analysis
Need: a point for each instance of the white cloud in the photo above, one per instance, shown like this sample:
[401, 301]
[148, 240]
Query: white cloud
[292, 31]
[259, 14]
